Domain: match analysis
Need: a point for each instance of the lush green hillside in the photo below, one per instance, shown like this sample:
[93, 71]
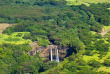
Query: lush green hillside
[86, 2]
[95, 1]
[14, 38]
[75, 26]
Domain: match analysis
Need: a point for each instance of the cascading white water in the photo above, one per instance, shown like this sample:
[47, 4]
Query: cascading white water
[51, 53]
[55, 51]
[57, 56]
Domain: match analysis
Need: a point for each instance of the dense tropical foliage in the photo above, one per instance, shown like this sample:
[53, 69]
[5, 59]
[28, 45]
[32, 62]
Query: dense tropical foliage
[52, 21]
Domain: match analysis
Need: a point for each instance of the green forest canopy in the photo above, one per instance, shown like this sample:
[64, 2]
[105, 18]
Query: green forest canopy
[51, 21]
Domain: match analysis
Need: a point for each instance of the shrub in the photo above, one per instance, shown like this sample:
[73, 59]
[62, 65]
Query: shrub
[107, 63]
[94, 63]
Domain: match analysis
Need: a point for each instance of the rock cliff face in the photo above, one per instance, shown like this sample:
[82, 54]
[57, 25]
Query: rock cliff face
[45, 51]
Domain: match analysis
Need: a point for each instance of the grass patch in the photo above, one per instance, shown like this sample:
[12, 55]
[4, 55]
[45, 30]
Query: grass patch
[101, 60]
[86, 2]
[88, 58]
[106, 27]
[107, 35]
[96, 57]
[105, 69]
[3, 26]
[75, 2]
[95, 1]
[109, 8]
[99, 57]
[1, 36]
[14, 38]
[19, 35]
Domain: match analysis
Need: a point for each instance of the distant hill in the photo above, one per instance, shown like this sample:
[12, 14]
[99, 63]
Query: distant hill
[94, 1]
[86, 2]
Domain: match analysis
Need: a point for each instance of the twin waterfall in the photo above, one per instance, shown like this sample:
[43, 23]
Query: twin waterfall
[56, 53]
[51, 53]
[57, 56]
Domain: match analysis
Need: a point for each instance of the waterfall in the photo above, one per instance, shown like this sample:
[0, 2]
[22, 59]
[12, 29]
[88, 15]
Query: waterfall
[51, 53]
[55, 51]
[57, 56]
